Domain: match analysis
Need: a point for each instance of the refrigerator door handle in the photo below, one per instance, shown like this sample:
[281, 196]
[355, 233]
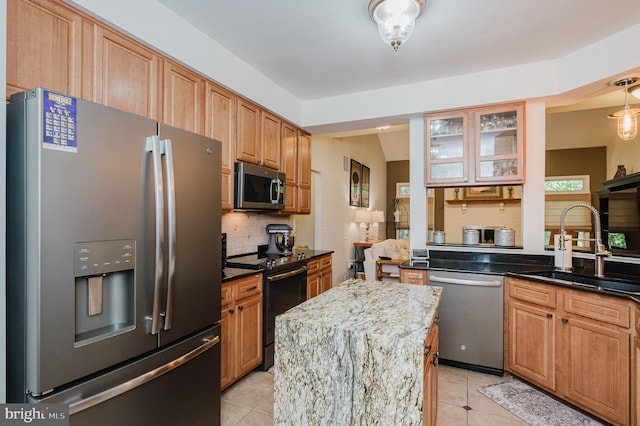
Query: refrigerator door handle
[85, 403]
[153, 146]
[171, 230]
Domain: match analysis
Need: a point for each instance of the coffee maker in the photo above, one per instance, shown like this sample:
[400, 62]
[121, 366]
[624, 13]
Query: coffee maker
[280, 239]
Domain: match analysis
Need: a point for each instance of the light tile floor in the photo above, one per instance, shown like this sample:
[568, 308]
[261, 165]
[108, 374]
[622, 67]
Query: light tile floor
[249, 402]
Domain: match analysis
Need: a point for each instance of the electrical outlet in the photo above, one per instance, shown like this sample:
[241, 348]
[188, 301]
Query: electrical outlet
[350, 264]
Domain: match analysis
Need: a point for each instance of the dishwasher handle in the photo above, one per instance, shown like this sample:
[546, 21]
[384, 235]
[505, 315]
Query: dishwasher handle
[460, 281]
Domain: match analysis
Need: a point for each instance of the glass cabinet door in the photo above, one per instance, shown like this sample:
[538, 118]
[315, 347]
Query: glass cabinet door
[446, 156]
[499, 144]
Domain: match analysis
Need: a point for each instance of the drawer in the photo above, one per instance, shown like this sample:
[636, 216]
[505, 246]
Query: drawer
[313, 266]
[532, 292]
[602, 308]
[326, 262]
[227, 294]
[249, 286]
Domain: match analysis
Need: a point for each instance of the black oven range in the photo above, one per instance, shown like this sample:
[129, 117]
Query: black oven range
[284, 286]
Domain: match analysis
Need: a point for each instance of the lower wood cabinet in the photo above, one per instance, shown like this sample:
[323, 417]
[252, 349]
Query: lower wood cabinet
[241, 328]
[413, 276]
[319, 275]
[430, 403]
[575, 344]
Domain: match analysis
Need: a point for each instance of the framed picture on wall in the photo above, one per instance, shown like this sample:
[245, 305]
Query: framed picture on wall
[482, 192]
[364, 192]
[355, 180]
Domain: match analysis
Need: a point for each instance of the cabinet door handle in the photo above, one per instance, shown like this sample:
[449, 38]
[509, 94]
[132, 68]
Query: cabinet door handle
[549, 315]
[565, 320]
[427, 350]
[240, 308]
[231, 311]
[252, 288]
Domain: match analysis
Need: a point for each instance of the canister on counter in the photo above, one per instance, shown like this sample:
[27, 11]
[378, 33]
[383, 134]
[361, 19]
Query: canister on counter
[438, 237]
[470, 236]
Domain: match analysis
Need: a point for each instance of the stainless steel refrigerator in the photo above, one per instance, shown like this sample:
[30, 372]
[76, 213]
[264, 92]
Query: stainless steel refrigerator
[113, 264]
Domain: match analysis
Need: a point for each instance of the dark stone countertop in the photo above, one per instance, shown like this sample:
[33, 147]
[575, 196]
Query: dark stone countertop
[229, 274]
[526, 267]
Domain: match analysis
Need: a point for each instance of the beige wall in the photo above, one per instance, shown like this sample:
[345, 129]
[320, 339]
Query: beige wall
[592, 128]
[338, 230]
[481, 214]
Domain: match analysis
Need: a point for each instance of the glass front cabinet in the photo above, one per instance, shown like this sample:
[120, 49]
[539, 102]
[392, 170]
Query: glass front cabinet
[475, 147]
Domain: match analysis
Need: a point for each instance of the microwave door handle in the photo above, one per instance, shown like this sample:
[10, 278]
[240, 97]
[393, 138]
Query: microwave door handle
[275, 195]
[153, 146]
[171, 229]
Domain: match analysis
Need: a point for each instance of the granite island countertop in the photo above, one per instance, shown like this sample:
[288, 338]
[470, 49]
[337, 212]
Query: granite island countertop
[354, 355]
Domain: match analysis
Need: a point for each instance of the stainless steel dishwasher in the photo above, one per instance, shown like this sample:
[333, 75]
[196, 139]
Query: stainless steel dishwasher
[471, 320]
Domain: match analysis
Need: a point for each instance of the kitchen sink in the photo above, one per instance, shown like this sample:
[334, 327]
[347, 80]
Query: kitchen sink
[619, 285]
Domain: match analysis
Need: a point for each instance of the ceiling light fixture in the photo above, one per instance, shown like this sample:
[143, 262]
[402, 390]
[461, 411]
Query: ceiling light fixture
[634, 90]
[627, 118]
[395, 19]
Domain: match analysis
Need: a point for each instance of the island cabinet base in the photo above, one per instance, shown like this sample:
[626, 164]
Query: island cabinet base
[354, 355]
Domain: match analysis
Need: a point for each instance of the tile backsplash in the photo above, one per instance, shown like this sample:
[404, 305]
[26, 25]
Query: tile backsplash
[247, 230]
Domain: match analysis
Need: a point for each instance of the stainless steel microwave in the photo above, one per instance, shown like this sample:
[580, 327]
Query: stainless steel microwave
[258, 188]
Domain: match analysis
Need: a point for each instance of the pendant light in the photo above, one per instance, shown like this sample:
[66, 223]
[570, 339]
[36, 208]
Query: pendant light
[627, 118]
[395, 19]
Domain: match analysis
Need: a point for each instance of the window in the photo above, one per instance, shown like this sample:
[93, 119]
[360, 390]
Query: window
[567, 185]
[402, 190]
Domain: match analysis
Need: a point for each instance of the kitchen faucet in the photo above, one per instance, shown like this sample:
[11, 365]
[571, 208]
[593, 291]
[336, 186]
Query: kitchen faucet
[600, 252]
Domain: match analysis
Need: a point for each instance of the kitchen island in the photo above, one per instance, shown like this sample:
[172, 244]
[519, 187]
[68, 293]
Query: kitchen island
[354, 355]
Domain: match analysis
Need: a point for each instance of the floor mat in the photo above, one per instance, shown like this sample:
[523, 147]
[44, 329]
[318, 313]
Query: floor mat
[533, 406]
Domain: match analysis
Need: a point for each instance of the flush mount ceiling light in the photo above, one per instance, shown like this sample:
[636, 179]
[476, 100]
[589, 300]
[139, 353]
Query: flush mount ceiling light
[627, 118]
[635, 90]
[395, 19]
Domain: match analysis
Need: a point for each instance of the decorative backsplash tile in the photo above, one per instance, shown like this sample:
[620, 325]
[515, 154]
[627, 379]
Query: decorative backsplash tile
[247, 230]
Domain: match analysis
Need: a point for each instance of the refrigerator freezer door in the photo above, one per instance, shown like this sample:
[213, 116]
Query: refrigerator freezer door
[179, 385]
[193, 249]
[76, 214]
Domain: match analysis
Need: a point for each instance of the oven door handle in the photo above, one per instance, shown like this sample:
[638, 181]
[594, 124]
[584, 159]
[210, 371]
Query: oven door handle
[460, 281]
[284, 275]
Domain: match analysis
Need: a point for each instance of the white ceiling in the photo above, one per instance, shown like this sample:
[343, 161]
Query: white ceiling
[315, 49]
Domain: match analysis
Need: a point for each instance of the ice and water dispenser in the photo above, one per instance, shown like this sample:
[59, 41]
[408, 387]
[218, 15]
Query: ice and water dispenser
[104, 288]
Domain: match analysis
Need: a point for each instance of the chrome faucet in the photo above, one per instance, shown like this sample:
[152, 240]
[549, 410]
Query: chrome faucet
[600, 251]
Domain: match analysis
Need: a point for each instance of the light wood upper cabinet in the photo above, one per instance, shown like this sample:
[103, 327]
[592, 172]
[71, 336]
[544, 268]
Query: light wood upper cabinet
[121, 73]
[447, 148]
[258, 135]
[304, 172]
[290, 167]
[271, 144]
[296, 164]
[55, 46]
[477, 146]
[499, 144]
[44, 47]
[248, 138]
[183, 98]
[220, 119]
